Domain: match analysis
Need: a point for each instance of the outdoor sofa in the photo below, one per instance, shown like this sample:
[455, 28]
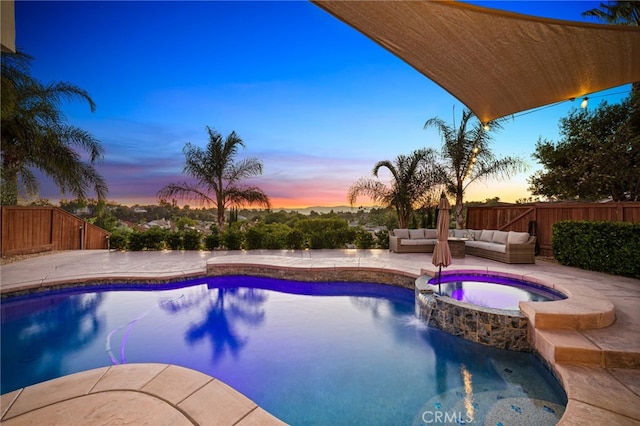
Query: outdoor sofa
[412, 240]
[502, 246]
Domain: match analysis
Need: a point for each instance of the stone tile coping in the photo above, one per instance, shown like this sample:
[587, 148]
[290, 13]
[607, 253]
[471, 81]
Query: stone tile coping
[154, 394]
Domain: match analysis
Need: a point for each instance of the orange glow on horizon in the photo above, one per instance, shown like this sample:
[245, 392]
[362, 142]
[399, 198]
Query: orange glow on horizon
[507, 191]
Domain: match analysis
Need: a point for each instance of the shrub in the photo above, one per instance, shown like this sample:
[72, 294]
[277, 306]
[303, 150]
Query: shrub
[191, 239]
[174, 240]
[271, 236]
[308, 226]
[364, 239]
[295, 240]
[253, 238]
[276, 236]
[212, 241]
[326, 233]
[612, 247]
[136, 241]
[153, 238]
[318, 240]
[382, 239]
[232, 238]
[118, 240]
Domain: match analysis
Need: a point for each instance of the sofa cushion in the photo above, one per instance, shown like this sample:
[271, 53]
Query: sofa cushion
[401, 233]
[500, 248]
[417, 242]
[518, 237]
[416, 234]
[486, 235]
[500, 237]
[477, 244]
[431, 234]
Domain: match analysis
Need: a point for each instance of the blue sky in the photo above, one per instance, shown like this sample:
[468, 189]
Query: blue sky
[315, 100]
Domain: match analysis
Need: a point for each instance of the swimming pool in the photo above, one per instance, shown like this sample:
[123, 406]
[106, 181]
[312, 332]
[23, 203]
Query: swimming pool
[309, 353]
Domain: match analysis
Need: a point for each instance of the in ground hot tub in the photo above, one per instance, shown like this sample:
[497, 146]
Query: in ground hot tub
[492, 291]
[480, 307]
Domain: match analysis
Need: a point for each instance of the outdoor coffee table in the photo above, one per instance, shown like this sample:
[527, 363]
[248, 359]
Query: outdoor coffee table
[456, 247]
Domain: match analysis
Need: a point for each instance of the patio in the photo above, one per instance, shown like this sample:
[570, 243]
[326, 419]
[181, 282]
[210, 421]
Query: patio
[598, 367]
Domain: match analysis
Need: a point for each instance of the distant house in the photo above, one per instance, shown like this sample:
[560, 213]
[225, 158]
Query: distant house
[139, 210]
[83, 210]
[160, 223]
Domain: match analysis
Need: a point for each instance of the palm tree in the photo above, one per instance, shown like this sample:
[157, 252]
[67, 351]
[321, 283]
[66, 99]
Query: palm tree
[35, 135]
[617, 13]
[468, 158]
[413, 178]
[218, 176]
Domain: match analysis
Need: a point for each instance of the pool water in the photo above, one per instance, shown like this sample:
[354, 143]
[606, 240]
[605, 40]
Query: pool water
[492, 291]
[309, 353]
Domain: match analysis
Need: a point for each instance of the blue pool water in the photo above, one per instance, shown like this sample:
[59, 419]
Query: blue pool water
[310, 353]
[492, 291]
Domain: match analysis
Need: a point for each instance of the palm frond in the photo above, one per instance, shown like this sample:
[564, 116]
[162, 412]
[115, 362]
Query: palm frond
[184, 191]
[374, 189]
[247, 196]
[243, 169]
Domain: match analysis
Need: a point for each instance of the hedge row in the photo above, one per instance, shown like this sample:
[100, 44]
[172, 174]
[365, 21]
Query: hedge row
[612, 247]
[323, 234]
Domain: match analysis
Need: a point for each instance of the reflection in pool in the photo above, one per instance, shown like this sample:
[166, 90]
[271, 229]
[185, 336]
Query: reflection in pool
[492, 291]
[310, 353]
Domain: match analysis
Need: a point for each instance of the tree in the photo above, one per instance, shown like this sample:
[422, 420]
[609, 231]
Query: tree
[218, 176]
[617, 13]
[467, 158]
[413, 178]
[35, 135]
[597, 157]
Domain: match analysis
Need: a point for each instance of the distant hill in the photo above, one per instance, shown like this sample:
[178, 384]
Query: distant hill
[321, 209]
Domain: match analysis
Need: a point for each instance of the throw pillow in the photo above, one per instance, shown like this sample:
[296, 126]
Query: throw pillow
[416, 234]
[401, 233]
[500, 237]
[518, 237]
[486, 236]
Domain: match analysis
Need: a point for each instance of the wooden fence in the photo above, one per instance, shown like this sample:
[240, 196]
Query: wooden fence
[28, 230]
[518, 217]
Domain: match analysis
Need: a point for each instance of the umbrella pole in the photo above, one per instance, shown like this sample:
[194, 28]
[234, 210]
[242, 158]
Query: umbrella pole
[439, 278]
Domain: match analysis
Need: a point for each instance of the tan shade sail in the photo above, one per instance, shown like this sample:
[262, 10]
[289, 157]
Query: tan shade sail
[497, 63]
[8, 31]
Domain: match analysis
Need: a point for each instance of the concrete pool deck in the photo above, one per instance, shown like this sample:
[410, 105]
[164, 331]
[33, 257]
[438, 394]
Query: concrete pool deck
[591, 340]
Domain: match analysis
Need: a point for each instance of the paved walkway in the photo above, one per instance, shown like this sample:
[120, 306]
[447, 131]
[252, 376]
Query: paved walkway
[591, 340]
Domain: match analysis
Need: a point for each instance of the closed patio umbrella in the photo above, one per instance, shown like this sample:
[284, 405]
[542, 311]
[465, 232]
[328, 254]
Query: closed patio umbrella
[441, 254]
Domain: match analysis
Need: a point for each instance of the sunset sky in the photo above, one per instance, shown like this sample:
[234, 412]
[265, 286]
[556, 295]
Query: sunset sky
[312, 98]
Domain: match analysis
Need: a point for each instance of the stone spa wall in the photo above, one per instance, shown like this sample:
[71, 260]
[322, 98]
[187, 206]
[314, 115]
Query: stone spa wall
[504, 329]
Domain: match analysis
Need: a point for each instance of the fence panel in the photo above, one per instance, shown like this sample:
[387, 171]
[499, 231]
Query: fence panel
[28, 230]
[517, 217]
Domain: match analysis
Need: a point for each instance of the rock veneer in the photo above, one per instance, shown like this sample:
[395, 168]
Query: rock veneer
[500, 328]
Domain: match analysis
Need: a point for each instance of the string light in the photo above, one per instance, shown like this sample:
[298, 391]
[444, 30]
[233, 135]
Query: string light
[472, 161]
[584, 102]
[486, 127]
